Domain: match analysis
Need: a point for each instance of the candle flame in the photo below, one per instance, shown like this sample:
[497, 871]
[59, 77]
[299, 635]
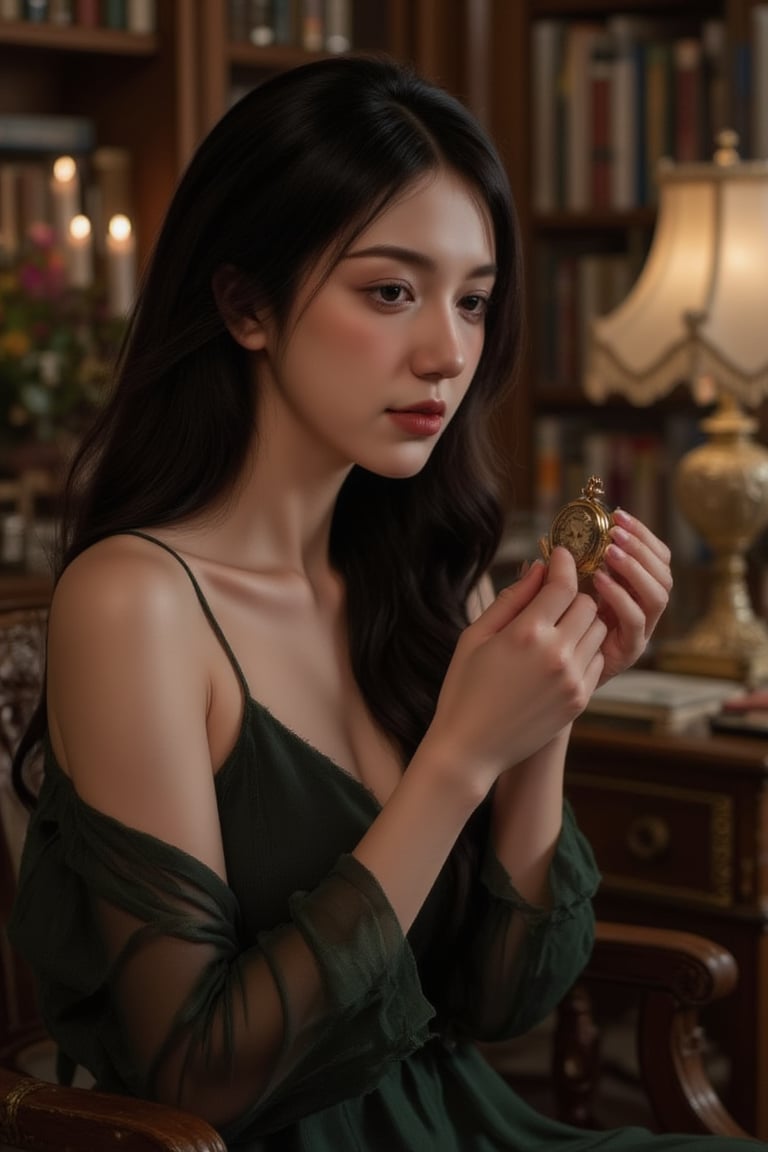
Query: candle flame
[79, 227]
[64, 169]
[120, 227]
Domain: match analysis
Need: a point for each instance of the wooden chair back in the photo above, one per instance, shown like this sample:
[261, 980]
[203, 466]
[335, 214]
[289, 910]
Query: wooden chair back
[22, 648]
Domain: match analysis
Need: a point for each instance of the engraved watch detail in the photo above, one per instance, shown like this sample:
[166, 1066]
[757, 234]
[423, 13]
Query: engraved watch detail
[582, 526]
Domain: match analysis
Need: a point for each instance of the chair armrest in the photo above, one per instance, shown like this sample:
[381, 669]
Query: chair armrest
[42, 1117]
[693, 969]
[677, 973]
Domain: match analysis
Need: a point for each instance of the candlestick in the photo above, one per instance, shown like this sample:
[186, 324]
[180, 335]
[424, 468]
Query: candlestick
[121, 265]
[9, 210]
[80, 252]
[65, 196]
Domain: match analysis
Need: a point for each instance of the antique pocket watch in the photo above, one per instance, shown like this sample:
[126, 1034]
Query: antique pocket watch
[582, 526]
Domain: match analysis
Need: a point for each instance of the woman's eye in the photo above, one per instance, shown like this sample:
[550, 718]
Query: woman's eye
[389, 293]
[475, 304]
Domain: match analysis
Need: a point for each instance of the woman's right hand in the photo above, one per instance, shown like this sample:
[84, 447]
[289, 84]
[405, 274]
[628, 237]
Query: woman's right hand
[520, 673]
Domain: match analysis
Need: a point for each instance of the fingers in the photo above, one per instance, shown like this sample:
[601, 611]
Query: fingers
[633, 537]
[553, 586]
[638, 563]
[510, 601]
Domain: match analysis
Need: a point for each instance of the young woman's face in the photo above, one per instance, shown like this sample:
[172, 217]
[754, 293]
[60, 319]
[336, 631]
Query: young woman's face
[378, 358]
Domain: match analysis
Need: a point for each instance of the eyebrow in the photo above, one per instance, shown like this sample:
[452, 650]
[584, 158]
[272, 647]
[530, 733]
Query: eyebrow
[410, 256]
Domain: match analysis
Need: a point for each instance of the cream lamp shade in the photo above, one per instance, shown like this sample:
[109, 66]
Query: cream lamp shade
[698, 313]
[642, 349]
[731, 338]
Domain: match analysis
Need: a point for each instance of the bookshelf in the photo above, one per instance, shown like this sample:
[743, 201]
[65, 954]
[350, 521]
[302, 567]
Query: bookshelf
[155, 94]
[137, 88]
[586, 237]
[419, 30]
[149, 96]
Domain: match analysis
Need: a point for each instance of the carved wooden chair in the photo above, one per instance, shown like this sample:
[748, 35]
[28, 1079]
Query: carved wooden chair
[677, 974]
[672, 977]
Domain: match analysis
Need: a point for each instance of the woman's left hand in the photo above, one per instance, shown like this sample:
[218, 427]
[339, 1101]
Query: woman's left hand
[632, 590]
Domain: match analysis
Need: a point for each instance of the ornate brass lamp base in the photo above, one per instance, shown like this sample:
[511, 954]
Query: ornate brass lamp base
[722, 487]
[729, 641]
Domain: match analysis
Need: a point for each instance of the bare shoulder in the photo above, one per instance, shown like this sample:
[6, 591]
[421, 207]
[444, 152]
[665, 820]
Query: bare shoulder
[128, 691]
[121, 580]
[124, 613]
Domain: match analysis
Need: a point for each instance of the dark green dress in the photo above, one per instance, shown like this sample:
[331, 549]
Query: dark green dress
[287, 1004]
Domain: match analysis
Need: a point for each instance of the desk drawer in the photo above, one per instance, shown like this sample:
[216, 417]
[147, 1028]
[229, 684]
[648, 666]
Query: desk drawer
[657, 839]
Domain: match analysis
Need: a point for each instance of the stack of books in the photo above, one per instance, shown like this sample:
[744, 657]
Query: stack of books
[660, 701]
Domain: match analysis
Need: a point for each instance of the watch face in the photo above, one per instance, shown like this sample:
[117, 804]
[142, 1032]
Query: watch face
[576, 530]
[583, 528]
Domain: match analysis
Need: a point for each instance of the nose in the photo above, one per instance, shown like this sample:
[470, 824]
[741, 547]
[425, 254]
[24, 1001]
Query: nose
[438, 351]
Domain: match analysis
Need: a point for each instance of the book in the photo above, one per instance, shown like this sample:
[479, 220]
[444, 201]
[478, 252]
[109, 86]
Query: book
[624, 116]
[312, 25]
[577, 53]
[716, 97]
[745, 714]
[140, 16]
[660, 701]
[659, 89]
[61, 12]
[760, 82]
[87, 13]
[546, 46]
[601, 157]
[35, 11]
[740, 100]
[688, 101]
[30, 132]
[260, 26]
[338, 25]
[113, 13]
[283, 21]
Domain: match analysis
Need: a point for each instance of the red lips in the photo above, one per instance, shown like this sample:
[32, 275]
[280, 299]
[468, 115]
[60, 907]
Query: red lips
[427, 407]
[424, 419]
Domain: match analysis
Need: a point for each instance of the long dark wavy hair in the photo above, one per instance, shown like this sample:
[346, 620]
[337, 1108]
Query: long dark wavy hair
[290, 175]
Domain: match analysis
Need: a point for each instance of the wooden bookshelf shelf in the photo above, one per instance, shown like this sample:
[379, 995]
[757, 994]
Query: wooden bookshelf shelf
[74, 38]
[275, 57]
[594, 220]
[592, 8]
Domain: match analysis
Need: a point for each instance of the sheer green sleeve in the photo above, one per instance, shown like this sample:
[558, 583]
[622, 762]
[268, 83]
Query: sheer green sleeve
[519, 960]
[147, 981]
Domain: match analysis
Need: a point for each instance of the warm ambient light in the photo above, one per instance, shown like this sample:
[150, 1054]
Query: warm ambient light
[697, 314]
[119, 227]
[64, 169]
[79, 227]
[121, 265]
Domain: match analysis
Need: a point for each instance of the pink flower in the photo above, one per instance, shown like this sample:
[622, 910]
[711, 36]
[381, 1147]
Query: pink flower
[41, 235]
[43, 281]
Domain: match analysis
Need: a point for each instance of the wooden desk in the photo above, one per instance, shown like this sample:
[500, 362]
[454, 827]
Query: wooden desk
[679, 826]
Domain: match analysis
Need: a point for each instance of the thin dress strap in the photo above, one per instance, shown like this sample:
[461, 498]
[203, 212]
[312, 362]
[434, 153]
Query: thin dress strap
[203, 602]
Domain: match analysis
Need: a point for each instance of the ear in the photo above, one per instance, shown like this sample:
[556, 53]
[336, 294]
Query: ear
[244, 327]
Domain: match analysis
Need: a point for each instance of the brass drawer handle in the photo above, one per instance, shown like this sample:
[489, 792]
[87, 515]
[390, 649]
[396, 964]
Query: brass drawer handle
[648, 837]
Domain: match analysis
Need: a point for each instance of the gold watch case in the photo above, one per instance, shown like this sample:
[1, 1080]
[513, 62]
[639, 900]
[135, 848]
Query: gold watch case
[582, 526]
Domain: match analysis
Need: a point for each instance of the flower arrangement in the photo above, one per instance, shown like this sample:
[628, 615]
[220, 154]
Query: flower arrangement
[57, 344]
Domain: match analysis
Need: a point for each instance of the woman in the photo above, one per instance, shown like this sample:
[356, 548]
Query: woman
[301, 834]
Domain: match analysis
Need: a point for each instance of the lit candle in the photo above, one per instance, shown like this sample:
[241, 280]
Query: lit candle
[80, 252]
[65, 196]
[9, 209]
[121, 265]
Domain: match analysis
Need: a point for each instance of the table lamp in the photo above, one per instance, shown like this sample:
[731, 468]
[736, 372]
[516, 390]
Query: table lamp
[698, 313]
